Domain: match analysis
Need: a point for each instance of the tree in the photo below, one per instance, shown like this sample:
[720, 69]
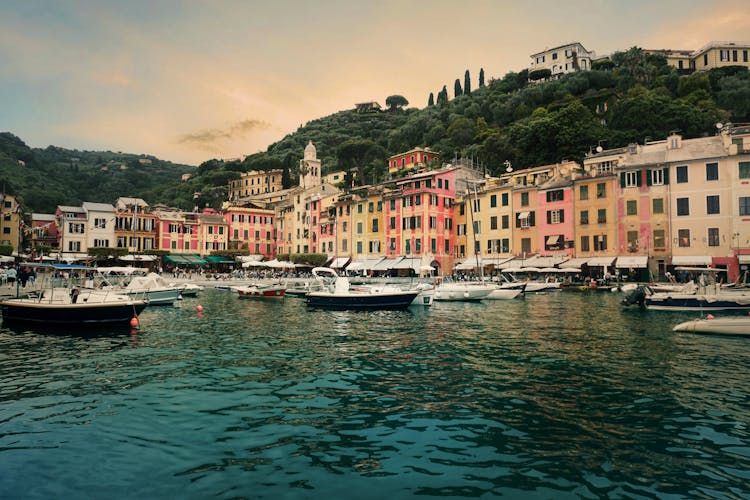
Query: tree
[395, 102]
[467, 83]
[431, 100]
[481, 77]
[442, 97]
[457, 88]
[359, 153]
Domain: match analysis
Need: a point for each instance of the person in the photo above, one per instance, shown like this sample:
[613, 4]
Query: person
[74, 295]
[11, 275]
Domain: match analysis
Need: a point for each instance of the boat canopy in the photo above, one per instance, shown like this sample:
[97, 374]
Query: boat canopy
[691, 260]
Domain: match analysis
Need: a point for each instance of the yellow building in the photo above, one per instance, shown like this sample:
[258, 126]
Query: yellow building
[595, 210]
[255, 182]
[720, 54]
[563, 59]
[10, 222]
[368, 240]
[490, 201]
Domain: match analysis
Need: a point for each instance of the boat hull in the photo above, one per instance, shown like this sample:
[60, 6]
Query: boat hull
[464, 294]
[363, 301]
[504, 294]
[18, 311]
[720, 326]
[261, 292]
[678, 302]
[157, 297]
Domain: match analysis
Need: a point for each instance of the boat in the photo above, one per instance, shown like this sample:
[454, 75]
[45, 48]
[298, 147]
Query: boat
[426, 295]
[706, 298]
[187, 289]
[466, 291]
[727, 325]
[500, 293]
[64, 302]
[261, 291]
[153, 288]
[336, 293]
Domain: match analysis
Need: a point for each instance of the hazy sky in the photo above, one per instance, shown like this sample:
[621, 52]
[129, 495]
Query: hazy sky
[188, 81]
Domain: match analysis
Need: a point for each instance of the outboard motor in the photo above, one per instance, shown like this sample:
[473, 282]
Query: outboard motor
[637, 296]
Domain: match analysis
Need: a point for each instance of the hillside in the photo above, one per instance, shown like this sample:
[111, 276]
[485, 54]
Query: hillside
[632, 97]
[45, 178]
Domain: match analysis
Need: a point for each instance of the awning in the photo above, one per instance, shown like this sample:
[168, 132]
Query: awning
[634, 261]
[363, 265]
[387, 263]
[523, 215]
[409, 263]
[542, 261]
[552, 240]
[575, 263]
[338, 262]
[515, 262]
[743, 259]
[138, 258]
[250, 258]
[219, 259]
[175, 259]
[691, 260]
[600, 261]
[466, 265]
[194, 259]
[495, 261]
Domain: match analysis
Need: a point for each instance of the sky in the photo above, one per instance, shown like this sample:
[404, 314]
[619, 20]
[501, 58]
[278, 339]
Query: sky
[189, 80]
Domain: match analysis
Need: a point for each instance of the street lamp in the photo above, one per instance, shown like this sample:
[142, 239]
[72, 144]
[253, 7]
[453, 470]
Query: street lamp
[508, 167]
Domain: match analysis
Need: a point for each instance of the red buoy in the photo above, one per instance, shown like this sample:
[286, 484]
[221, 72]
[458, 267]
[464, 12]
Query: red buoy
[199, 308]
[134, 322]
[709, 316]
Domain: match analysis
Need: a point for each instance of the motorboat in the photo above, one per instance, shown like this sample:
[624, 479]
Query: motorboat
[466, 291]
[705, 298]
[335, 292]
[153, 288]
[727, 325]
[79, 306]
[187, 289]
[261, 291]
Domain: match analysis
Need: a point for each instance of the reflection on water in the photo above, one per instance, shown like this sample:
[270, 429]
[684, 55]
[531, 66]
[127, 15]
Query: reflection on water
[550, 396]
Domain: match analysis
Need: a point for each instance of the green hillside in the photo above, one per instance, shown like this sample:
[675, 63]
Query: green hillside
[631, 97]
[45, 178]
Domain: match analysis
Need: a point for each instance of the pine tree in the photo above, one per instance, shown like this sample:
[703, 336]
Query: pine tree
[457, 88]
[467, 83]
[442, 97]
[481, 77]
[431, 100]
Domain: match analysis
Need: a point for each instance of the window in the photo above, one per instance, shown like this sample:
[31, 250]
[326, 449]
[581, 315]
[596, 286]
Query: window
[524, 199]
[600, 243]
[584, 217]
[744, 167]
[447, 245]
[631, 207]
[683, 238]
[631, 179]
[744, 205]
[583, 193]
[682, 174]
[601, 190]
[601, 215]
[359, 247]
[493, 223]
[493, 201]
[712, 204]
[556, 195]
[392, 205]
[433, 222]
[505, 222]
[604, 167]
[659, 239]
[712, 171]
[504, 196]
[375, 227]
[585, 244]
[683, 206]
[632, 239]
[477, 206]
[393, 223]
[359, 228]
[477, 226]
[433, 245]
[657, 177]
[713, 236]
[657, 206]
[555, 217]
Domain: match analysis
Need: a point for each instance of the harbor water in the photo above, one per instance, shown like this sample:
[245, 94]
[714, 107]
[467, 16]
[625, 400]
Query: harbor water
[562, 395]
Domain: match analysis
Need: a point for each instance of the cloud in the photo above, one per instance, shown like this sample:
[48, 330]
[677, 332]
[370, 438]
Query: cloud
[213, 139]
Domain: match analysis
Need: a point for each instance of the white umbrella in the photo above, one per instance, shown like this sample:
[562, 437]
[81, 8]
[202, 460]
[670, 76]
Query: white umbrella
[530, 269]
[570, 270]
[549, 270]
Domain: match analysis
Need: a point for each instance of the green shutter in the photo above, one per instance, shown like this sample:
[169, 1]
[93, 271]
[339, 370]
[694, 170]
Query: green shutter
[666, 175]
[648, 177]
[639, 178]
[622, 180]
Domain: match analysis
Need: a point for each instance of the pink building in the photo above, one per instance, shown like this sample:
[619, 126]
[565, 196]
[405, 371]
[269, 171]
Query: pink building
[556, 221]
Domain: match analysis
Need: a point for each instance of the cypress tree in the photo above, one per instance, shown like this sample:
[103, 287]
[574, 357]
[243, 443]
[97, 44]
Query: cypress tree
[431, 100]
[467, 83]
[457, 88]
[481, 77]
[442, 97]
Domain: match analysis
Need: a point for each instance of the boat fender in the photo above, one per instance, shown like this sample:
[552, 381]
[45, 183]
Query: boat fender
[709, 316]
[134, 322]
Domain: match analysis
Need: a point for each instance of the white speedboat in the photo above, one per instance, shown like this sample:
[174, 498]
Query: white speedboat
[336, 293]
[728, 325]
[153, 288]
[463, 291]
[504, 293]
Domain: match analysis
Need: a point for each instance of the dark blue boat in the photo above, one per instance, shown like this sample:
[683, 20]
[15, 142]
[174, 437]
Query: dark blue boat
[335, 293]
